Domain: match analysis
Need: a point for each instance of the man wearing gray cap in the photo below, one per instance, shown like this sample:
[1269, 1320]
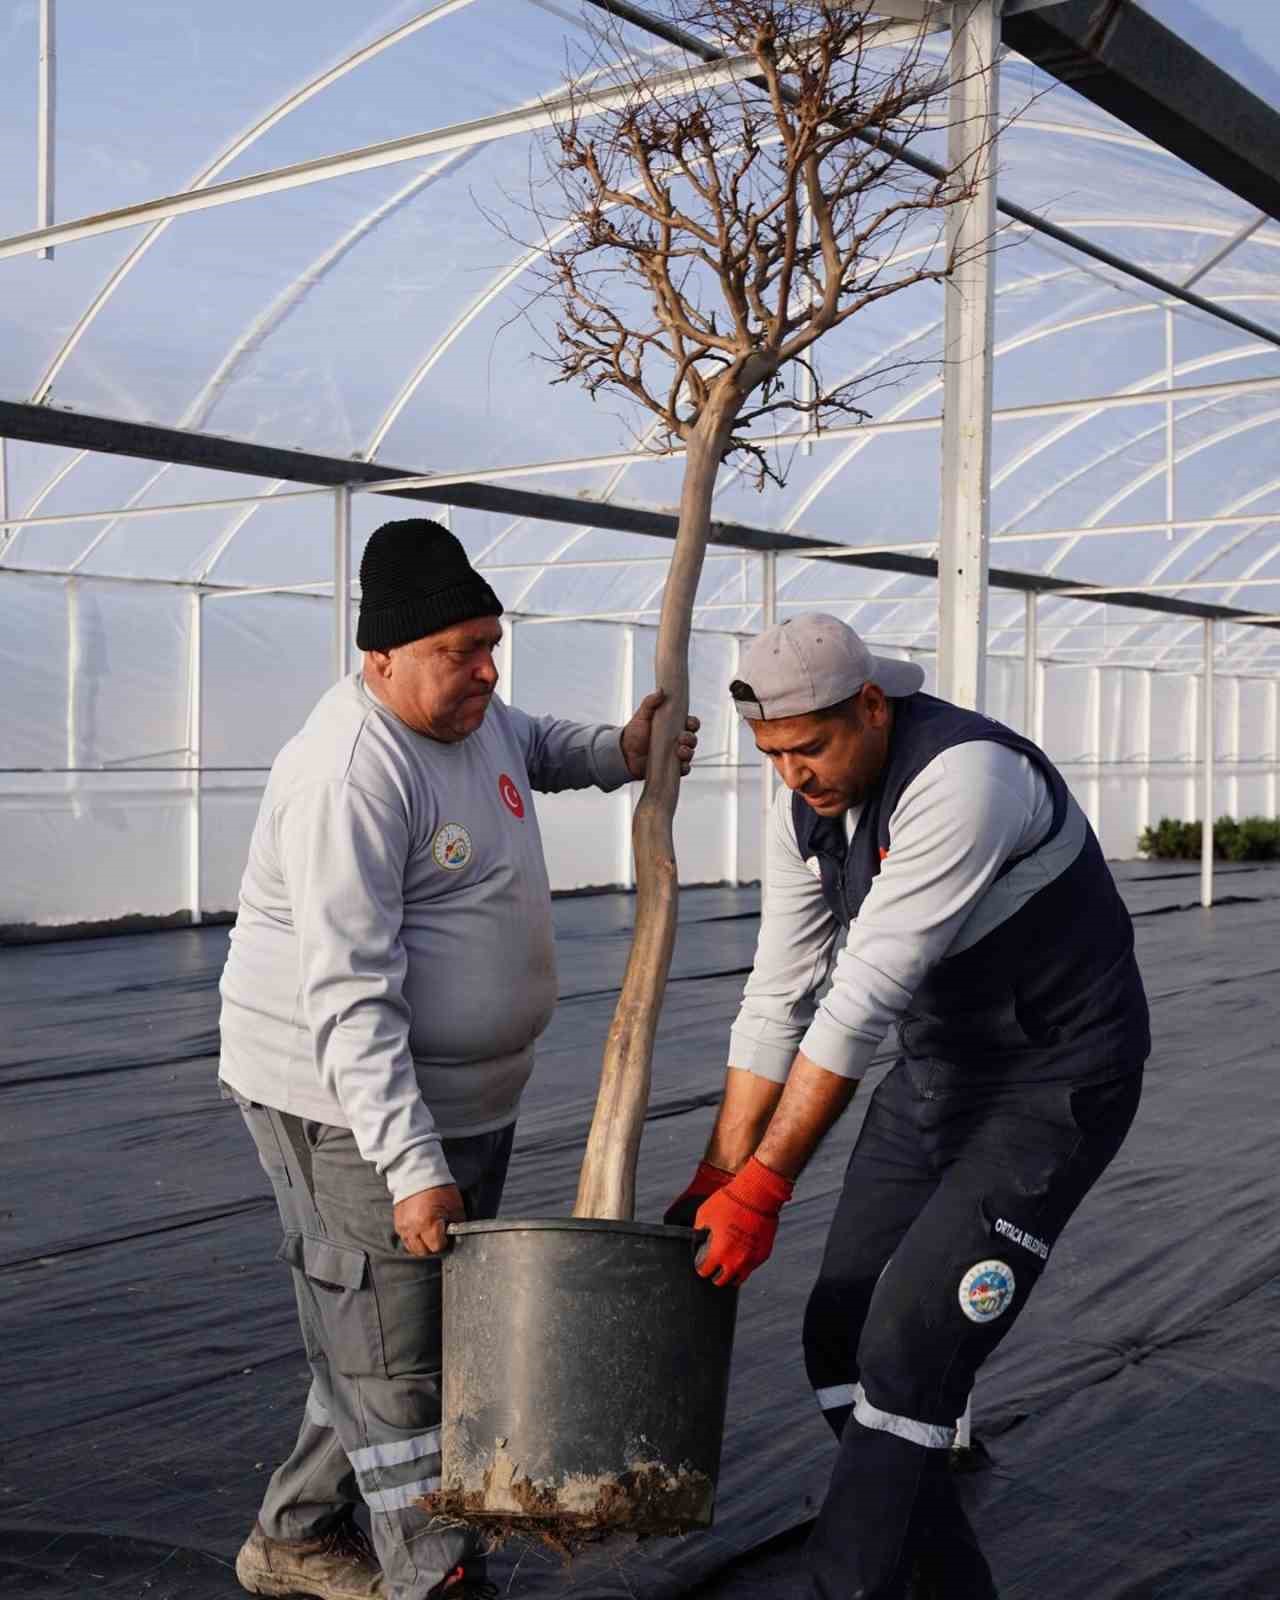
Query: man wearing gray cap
[979, 916]
[391, 967]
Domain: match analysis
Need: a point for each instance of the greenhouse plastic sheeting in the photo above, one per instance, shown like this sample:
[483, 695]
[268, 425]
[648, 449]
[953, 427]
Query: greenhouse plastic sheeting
[150, 1359]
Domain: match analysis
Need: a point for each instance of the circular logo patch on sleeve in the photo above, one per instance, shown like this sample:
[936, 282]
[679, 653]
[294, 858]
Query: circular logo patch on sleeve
[986, 1290]
[451, 846]
[511, 796]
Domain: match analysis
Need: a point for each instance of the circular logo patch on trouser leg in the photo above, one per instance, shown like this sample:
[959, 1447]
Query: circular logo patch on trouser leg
[986, 1290]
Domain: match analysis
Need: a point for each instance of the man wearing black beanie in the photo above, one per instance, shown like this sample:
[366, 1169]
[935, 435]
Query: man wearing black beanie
[391, 967]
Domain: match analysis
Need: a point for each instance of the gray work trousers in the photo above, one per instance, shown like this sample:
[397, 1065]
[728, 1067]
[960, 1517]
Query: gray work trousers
[370, 1316]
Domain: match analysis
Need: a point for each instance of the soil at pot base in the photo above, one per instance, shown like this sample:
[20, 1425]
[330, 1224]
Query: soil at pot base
[644, 1501]
[586, 1369]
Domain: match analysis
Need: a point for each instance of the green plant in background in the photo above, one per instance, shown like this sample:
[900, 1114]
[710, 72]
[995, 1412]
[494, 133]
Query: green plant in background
[1250, 839]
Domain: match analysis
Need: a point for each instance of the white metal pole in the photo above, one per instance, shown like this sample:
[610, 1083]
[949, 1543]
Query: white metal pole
[1233, 743]
[627, 696]
[1207, 756]
[507, 662]
[733, 860]
[970, 312]
[1170, 456]
[1144, 790]
[1095, 753]
[73, 677]
[768, 616]
[341, 582]
[1031, 668]
[195, 753]
[46, 99]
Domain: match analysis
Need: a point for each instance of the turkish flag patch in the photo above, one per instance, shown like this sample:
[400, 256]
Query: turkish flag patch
[511, 797]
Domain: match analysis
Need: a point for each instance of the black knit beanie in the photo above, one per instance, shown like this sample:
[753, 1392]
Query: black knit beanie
[415, 579]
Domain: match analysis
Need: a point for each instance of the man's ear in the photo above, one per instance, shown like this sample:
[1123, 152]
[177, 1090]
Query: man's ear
[380, 661]
[875, 703]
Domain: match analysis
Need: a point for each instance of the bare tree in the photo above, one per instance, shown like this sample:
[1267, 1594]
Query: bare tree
[713, 223]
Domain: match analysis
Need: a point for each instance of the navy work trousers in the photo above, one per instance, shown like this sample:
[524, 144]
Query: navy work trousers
[956, 1191]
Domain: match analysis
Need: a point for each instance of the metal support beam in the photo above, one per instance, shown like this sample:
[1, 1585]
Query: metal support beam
[1095, 749]
[733, 798]
[46, 106]
[507, 661]
[1117, 55]
[73, 673]
[690, 42]
[578, 103]
[1031, 670]
[195, 755]
[964, 553]
[627, 794]
[186, 447]
[1144, 786]
[341, 582]
[768, 616]
[1208, 758]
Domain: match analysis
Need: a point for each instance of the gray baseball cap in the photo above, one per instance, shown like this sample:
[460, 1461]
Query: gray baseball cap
[810, 662]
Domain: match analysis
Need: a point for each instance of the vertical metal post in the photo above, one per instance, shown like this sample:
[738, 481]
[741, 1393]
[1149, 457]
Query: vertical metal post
[73, 678]
[4, 492]
[733, 866]
[1234, 807]
[970, 314]
[341, 582]
[1170, 462]
[1273, 745]
[768, 616]
[1095, 754]
[1031, 667]
[46, 96]
[195, 753]
[507, 662]
[1207, 756]
[626, 694]
[1144, 790]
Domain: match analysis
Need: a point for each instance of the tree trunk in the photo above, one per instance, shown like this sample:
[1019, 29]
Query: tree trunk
[607, 1184]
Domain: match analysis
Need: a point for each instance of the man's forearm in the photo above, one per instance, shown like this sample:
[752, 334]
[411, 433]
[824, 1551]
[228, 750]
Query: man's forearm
[808, 1108]
[749, 1102]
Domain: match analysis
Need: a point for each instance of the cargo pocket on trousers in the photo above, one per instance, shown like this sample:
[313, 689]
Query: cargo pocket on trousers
[339, 1287]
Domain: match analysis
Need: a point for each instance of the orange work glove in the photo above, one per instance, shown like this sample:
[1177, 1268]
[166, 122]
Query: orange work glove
[706, 1180]
[742, 1221]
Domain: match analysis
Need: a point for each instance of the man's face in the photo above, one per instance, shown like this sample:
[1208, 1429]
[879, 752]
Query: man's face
[440, 685]
[833, 758]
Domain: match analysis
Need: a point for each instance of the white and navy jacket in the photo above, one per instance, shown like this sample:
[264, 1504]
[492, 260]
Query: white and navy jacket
[979, 914]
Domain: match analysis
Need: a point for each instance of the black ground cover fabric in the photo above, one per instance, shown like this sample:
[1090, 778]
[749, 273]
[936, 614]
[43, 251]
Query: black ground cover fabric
[150, 1368]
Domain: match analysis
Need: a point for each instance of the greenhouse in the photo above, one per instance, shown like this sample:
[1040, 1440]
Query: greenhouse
[275, 275]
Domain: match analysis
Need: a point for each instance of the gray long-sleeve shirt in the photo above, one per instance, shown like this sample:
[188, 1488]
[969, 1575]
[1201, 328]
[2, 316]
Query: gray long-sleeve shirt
[393, 961]
[956, 824]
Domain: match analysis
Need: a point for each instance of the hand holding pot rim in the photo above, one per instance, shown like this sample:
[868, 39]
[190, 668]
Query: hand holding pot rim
[422, 1220]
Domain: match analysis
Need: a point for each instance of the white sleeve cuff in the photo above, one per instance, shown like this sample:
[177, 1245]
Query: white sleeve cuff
[765, 1059]
[422, 1167]
[832, 1048]
[607, 760]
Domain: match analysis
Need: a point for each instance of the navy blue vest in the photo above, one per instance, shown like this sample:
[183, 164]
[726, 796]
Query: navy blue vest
[1053, 991]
